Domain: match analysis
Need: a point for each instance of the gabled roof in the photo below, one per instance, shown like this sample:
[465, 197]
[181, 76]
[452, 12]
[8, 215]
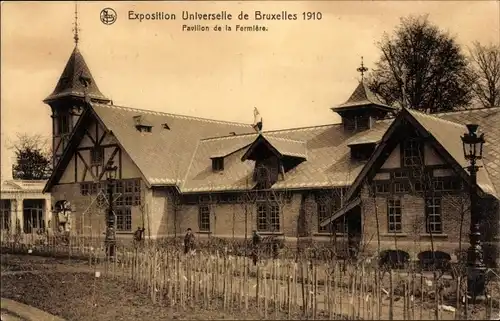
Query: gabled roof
[447, 136]
[70, 82]
[280, 145]
[288, 147]
[488, 120]
[362, 96]
[225, 146]
[328, 161]
[163, 155]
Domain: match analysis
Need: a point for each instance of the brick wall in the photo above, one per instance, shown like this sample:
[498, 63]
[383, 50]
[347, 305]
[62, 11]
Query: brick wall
[298, 216]
[414, 239]
[228, 220]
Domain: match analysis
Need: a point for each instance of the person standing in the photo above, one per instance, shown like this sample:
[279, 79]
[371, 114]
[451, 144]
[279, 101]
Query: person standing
[188, 241]
[256, 240]
[139, 235]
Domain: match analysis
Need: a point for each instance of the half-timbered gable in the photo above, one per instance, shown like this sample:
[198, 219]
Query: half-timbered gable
[414, 186]
[97, 148]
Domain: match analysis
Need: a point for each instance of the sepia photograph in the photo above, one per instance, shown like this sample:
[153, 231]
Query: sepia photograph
[250, 160]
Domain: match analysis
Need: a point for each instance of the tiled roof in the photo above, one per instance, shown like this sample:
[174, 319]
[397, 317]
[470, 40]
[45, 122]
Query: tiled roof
[361, 96]
[70, 83]
[288, 147]
[180, 152]
[224, 146]
[163, 155]
[448, 134]
[328, 160]
[488, 120]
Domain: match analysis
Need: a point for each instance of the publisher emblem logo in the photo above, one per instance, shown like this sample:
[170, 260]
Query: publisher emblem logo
[108, 16]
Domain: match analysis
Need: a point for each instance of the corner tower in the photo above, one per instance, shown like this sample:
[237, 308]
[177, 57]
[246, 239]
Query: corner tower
[67, 101]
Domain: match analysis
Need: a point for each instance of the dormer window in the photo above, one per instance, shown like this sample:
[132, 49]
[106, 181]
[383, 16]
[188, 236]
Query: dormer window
[218, 164]
[142, 125]
[362, 151]
[145, 129]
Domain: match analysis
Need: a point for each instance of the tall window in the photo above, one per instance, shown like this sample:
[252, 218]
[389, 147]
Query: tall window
[433, 215]
[5, 214]
[132, 195]
[268, 217]
[97, 155]
[123, 219]
[412, 152]
[33, 215]
[63, 124]
[394, 213]
[324, 212]
[204, 218]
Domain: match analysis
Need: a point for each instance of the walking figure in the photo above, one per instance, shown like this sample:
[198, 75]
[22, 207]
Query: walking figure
[256, 240]
[188, 241]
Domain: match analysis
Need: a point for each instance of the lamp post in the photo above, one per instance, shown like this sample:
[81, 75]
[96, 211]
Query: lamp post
[110, 240]
[476, 276]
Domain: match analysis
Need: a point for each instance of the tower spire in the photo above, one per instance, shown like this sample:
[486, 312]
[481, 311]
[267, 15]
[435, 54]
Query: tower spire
[362, 69]
[76, 29]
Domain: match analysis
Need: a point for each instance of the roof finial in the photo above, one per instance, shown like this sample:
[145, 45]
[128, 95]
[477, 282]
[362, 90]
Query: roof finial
[76, 29]
[362, 69]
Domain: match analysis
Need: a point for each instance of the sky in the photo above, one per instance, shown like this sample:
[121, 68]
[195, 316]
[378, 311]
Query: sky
[293, 73]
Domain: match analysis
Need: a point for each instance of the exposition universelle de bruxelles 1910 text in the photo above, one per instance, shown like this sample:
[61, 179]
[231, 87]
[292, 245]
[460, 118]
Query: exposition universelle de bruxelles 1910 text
[200, 19]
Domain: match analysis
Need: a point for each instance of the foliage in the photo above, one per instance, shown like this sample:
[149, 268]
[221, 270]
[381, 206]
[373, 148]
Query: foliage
[33, 157]
[485, 73]
[421, 67]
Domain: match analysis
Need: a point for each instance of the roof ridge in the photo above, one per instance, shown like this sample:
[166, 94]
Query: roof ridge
[188, 169]
[227, 137]
[300, 128]
[466, 111]
[436, 118]
[161, 113]
[287, 139]
[270, 131]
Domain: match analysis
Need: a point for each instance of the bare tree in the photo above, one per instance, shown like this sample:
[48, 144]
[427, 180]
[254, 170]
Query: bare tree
[485, 73]
[421, 67]
[33, 157]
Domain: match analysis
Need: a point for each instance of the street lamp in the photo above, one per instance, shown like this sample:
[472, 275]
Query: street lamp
[110, 240]
[476, 270]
